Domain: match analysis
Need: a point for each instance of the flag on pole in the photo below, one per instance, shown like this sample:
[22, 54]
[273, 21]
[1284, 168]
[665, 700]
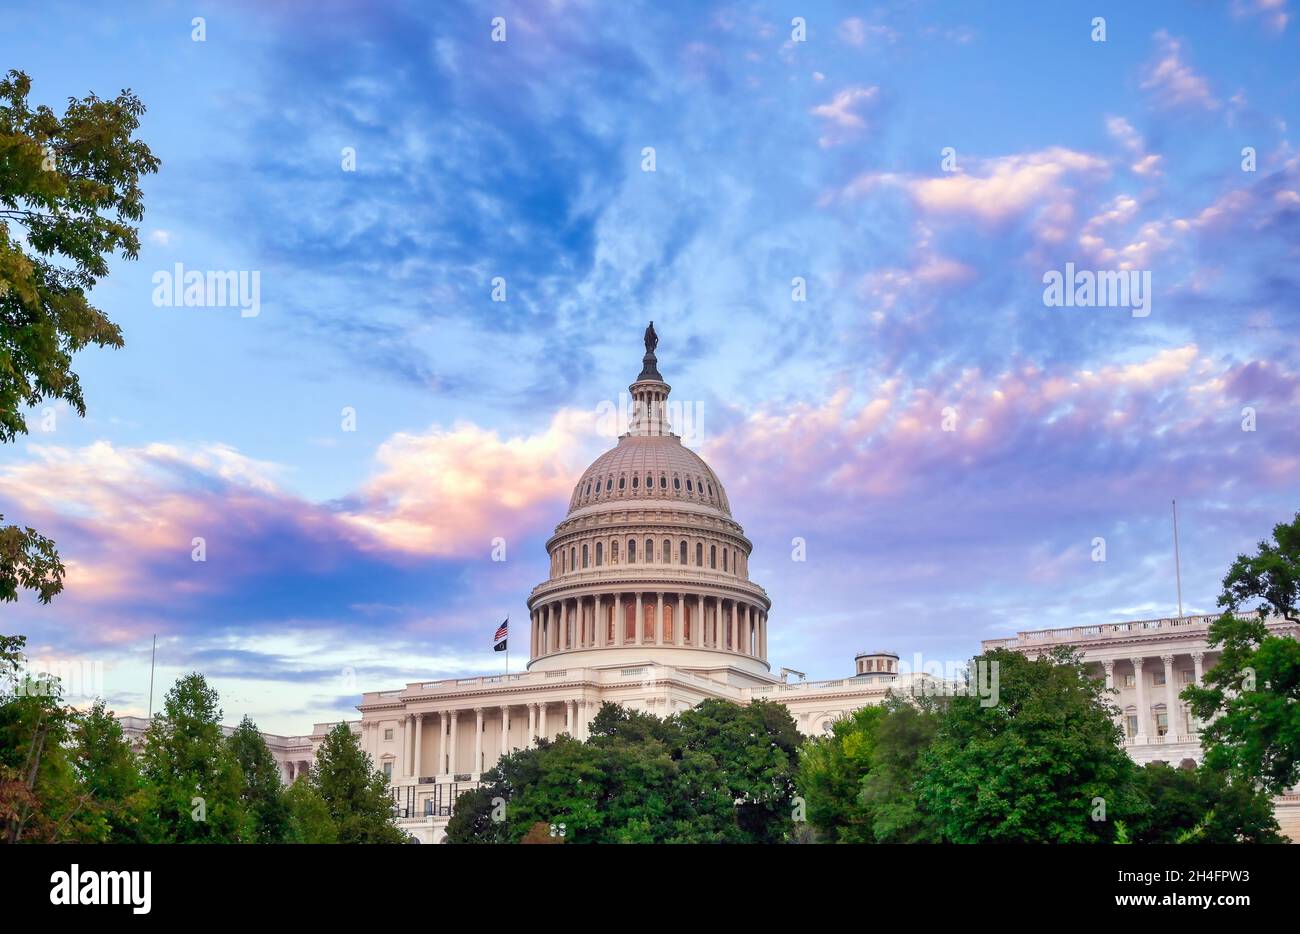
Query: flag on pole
[499, 639]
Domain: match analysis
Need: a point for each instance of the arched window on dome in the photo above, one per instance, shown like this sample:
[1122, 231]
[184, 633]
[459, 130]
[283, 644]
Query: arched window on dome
[699, 554]
[613, 551]
[710, 489]
[609, 484]
[584, 556]
[677, 483]
[635, 480]
[724, 559]
[689, 485]
[663, 481]
[588, 488]
[649, 551]
[649, 483]
[667, 555]
[573, 559]
[600, 553]
[621, 482]
[631, 551]
[713, 557]
[681, 553]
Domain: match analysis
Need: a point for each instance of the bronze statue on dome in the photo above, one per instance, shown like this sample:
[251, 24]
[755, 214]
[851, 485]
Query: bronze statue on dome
[651, 338]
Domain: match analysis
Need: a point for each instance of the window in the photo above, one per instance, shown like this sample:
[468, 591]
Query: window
[1132, 724]
[584, 555]
[388, 735]
[724, 559]
[573, 559]
[649, 482]
[1162, 723]
[663, 481]
[631, 551]
[649, 551]
[1188, 676]
[713, 556]
[682, 553]
[588, 488]
[635, 481]
[600, 553]
[1158, 677]
[621, 481]
[677, 483]
[613, 552]
[688, 485]
[609, 484]
[699, 554]
[1130, 680]
[667, 554]
[388, 770]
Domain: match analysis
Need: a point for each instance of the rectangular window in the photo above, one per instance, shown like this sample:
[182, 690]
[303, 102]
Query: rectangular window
[388, 734]
[1130, 681]
[388, 771]
[1188, 676]
[1158, 677]
[1162, 724]
[1132, 725]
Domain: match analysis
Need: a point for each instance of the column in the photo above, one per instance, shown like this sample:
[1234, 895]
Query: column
[639, 619]
[762, 632]
[419, 744]
[1108, 665]
[532, 725]
[532, 634]
[451, 742]
[697, 636]
[602, 627]
[550, 629]
[478, 739]
[541, 721]
[406, 757]
[620, 620]
[1172, 713]
[679, 619]
[569, 716]
[1198, 661]
[747, 646]
[442, 744]
[505, 730]
[659, 619]
[1142, 711]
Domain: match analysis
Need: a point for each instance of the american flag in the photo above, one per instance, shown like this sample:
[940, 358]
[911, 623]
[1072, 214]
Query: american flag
[500, 638]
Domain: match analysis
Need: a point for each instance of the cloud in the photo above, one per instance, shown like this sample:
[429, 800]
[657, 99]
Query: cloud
[1173, 83]
[846, 113]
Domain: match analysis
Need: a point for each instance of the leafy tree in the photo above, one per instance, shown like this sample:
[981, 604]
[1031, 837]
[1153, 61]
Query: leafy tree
[40, 801]
[309, 819]
[1203, 805]
[262, 796]
[355, 795]
[831, 771]
[1032, 767]
[71, 184]
[889, 790]
[1250, 702]
[194, 781]
[109, 772]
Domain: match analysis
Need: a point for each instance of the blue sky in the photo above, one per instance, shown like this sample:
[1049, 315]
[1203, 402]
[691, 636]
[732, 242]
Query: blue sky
[341, 561]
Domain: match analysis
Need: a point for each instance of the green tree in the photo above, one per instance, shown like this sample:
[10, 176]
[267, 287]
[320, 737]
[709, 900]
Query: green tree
[354, 793]
[71, 184]
[109, 772]
[195, 784]
[261, 794]
[889, 790]
[1203, 805]
[1250, 702]
[309, 816]
[831, 771]
[1034, 767]
[40, 800]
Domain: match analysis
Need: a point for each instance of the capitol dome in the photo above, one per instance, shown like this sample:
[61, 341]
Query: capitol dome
[648, 566]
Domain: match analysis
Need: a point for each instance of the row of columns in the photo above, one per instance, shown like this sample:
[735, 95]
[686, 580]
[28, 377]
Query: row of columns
[584, 622]
[577, 717]
[1171, 686]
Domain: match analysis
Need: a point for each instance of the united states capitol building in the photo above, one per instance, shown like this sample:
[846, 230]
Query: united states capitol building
[649, 604]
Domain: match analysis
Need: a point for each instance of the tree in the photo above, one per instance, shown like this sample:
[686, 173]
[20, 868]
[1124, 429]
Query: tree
[195, 783]
[39, 798]
[889, 790]
[1038, 766]
[261, 794]
[355, 795]
[309, 816]
[1202, 805]
[71, 184]
[1250, 702]
[831, 771]
[109, 773]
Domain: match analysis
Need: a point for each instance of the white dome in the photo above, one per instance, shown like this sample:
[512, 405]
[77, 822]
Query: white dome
[654, 468]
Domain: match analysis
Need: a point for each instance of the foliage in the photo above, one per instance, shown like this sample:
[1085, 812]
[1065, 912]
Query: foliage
[1202, 805]
[355, 795]
[71, 184]
[1034, 766]
[1250, 701]
[261, 793]
[109, 772]
[309, 819]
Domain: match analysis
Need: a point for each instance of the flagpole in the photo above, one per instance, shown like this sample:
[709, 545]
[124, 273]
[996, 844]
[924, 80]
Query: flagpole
[1178, 564]
[152, 658]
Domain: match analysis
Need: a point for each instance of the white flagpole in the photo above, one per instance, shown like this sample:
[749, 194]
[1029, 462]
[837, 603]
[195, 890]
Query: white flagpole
[1178, 564]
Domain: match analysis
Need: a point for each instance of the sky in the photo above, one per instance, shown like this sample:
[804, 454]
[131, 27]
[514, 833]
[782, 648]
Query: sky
[949, 445]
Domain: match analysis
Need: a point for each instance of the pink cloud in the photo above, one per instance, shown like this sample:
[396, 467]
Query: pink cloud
[1172, 81]
[846, 113]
